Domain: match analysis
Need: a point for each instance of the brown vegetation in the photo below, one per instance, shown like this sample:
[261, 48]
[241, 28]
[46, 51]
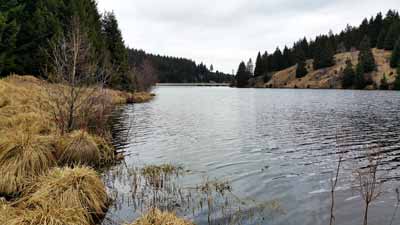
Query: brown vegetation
[156, 217]
[33, 144]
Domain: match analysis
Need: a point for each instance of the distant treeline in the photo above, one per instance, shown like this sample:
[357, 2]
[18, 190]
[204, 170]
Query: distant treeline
[177, 70]
[29, 29]
[380, 32]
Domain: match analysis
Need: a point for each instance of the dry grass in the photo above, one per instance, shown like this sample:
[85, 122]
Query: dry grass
[32, 144]
[22, 157]
[140, 97]
[156, 217]
[68, 188]
[331, 77]
[79, 147]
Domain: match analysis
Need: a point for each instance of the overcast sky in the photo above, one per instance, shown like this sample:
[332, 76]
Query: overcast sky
[224, 32]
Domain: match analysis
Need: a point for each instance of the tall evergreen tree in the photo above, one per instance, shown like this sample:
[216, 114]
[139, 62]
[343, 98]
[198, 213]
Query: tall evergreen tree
[277, 60]
[395, 58]
[375, 28]
[392, 36]
[259, 70]
[242, 76]
[359, 79]
[301, 69]
[381, 39]
[8, 36]
[323, 54]
[250, 68]
[384, 84]
[365, 57]
[348, 75]
[397, 81]
[118, 53]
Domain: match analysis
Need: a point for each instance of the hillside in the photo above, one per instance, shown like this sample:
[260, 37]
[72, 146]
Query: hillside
[330, 77]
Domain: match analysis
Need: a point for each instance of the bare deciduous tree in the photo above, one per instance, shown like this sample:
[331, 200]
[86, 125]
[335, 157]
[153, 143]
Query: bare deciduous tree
[334, 179]
[367, 180]
[76, 74]
[145, 76]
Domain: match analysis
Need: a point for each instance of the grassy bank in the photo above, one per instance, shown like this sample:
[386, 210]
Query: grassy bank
[49, 176]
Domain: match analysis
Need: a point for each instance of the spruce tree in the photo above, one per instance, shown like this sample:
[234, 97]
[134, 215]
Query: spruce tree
[323, 54]
[250, 68]
[374, 29]
[259, 70]
[348, 75]
[8, 38]
[118, 53]
[384, 84]
[397, 81]
[366, 57]
[395, 58]
[301, 69]
[277, 60]
[242, 76]
[381, 39]
[392, 36]
[359, 79]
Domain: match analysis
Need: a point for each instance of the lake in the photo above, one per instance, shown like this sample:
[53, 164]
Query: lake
[278, 146]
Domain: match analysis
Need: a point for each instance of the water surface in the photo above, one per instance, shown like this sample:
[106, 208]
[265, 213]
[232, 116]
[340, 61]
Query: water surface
[271, 144]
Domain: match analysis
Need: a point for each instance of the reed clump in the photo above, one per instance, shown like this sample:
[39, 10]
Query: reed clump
[79, 147]
[140, 97]
[68, 188]
[23, 156]
[156, 217]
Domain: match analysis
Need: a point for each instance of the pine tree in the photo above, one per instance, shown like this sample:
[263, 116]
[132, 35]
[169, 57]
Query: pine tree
[8, 38]
[374, 30]
[359, 79]
[366, 57]
[392, 36]
[323, 54]
[277, 60]
[384, 84]
[259, 70]
[397, 81]
[250, 68]
[348, 75]
[395, 58]
[242, 76]
[118, 53]
[381, 39]
[287, 60]
[301, 69]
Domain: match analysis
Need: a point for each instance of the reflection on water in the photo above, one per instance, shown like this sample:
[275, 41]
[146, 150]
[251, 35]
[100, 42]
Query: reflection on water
[269, 144]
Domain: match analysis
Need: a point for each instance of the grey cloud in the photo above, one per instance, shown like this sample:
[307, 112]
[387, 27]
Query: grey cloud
[224, 32]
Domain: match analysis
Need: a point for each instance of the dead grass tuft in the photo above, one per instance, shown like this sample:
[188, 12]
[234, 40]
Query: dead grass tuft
[68, 188]
[156, 217]
[22, 157]
[49, 215]
[79, 147]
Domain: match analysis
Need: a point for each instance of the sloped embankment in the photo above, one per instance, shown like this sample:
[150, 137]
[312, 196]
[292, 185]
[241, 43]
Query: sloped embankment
[331, 77]
[49, 176]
